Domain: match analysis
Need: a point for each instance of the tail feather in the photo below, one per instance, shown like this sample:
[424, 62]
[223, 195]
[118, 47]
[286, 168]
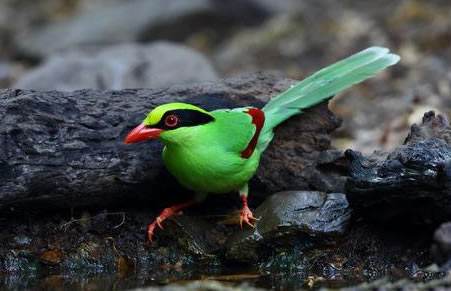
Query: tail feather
[323, 85]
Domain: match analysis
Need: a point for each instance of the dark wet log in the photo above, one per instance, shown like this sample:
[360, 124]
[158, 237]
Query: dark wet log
[64, 149]
[411, 183]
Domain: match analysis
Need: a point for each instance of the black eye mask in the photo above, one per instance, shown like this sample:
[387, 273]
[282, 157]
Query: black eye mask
[185, 117]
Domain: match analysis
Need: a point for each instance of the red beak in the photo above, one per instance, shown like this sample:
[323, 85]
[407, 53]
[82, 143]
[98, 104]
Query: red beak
[142, 133]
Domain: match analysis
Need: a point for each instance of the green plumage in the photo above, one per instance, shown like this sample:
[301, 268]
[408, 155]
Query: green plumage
[322, 85]
[207, 158]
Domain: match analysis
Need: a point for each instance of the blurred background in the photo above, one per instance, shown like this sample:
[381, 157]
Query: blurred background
[114, 44]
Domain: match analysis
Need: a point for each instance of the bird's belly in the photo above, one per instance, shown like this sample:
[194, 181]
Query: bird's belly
[208, 172]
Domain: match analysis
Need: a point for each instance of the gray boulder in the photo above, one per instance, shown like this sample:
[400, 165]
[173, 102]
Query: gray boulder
[136, 20]
[288, 219]
[160, 64]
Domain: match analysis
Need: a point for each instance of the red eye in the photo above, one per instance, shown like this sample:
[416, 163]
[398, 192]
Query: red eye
[171, 120]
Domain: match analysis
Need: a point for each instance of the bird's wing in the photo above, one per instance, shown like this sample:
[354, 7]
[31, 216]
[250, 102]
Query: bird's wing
[234, 129]
[323, 85]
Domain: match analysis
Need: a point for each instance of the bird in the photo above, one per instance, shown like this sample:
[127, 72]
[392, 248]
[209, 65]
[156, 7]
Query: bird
[219, 151]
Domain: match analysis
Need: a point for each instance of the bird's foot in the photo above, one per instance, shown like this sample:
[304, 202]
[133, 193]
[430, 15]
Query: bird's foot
[166, 213]
[247, 217]
[151, 229]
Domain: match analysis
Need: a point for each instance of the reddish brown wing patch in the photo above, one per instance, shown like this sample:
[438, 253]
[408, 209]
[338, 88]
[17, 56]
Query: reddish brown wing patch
[258, 118]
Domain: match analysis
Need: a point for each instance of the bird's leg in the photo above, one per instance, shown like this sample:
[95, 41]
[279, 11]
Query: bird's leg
[246, 214]
[167, 212]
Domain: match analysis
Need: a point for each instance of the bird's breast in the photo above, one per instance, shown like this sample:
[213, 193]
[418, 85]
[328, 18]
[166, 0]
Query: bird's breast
[209, 169]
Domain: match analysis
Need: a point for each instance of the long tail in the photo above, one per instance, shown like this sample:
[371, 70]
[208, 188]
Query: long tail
[323, 85]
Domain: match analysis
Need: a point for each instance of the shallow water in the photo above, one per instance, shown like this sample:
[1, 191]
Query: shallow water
[115, 282]
[49, 280]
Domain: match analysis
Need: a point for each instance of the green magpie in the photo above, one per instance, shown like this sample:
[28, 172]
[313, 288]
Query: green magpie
[219, 151]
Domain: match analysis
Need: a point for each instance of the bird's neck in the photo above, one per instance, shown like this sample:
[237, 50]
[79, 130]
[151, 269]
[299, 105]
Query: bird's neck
[188, 137]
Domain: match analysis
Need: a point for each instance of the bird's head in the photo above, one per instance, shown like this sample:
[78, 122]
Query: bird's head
[170, 122]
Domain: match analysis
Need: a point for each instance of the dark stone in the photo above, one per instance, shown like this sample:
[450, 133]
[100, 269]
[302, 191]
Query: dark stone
[193, 237]
[65, 149]
[288, 219]
[412, 183]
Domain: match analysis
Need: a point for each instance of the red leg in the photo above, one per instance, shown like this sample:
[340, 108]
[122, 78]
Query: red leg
[167, 212]
[246, 213]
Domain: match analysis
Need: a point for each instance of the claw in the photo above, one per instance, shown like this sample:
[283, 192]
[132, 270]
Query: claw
[159, 221]
[167, 212]
[152, 226]
[246, 216]
[150, 230]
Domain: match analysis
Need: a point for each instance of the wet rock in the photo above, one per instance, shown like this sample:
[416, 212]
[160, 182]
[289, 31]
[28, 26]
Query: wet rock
[441, 249]
[291, 218]
[411, 183]
[157, 65]
[136, 20]
[192, 237]
[65, 149]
